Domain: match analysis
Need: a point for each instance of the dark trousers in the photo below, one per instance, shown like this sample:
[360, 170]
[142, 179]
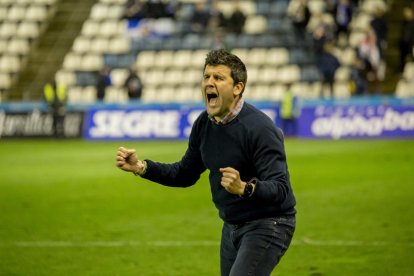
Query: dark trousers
[256, 247]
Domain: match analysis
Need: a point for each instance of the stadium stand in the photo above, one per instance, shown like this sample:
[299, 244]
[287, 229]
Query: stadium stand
[21, 23]
[169, 56]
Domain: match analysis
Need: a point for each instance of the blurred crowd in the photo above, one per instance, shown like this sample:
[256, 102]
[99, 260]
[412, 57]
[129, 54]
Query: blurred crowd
[327, 30]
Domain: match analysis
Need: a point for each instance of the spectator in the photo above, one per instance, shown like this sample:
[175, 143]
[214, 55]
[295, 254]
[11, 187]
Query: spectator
[322, 31]
[217, 19]
[357, 80]
[368, 52]
[219, 41]
[299, 11]
[56, 97]
[406, 42]
[102, 82]
[327, 64]
[133, 84]
[200, 18]
[134, 9]
[155, 9]
[236, 20]
[380, 26]
[289, 112]
[343, 16]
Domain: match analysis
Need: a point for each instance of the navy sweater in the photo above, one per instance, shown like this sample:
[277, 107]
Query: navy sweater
[251, 144]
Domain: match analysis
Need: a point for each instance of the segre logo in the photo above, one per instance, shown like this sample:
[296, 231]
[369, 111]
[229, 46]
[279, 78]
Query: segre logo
[135, 124]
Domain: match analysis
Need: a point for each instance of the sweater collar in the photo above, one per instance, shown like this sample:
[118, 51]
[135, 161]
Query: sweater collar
[231, 115]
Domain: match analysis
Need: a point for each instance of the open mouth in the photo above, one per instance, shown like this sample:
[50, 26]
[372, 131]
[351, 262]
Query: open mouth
[212, 98]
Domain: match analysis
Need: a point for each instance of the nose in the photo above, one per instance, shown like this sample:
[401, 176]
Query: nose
[209, 80]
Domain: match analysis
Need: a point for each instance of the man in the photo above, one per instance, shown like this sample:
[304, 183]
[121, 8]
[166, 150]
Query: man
[133, 84]
[55, 96]
[249, 178]
[289, 111]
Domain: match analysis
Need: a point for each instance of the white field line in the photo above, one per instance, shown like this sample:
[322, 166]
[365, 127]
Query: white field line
[194, 243]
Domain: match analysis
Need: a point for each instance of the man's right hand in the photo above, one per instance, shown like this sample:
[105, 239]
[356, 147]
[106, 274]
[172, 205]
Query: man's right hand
[127, 160]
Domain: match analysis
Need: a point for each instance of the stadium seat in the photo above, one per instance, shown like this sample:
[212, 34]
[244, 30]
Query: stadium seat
[300, 89]
[360, 22]
[75, 94]
[404, 89]
[256, 56]
[3, 45]
[310, 73]
[72, 61]
[347, 56]
[115, 11]
[192, 77]
[118, 76]
[119, 45]
[342, 74]
[99, 45]
[267, 74]
[255, 24]
[289, 74]
[37, 13]
[242, 53]
[145, 59]
[408, 72]
[45, 2]
[65, 77]
[149, 94]
[258, 92]
[9, 64]
[342, 90]
[8, 29]
[3, 11]
[152, 77]
[164, 59]
[165, 94]
[81, 45]
[99, 11]
[115, 95]
[369, 6]
[28, 30]
[181, 58]
[278, 8]
[185, 94]
[173, 76]
[90, 28]
[276, 91]
[18, 46]
[198, 58]
[277, 56]
[16, 13]
[91, 62]
[5, 81]
[89, 94]
[316, 6]
[355, 38]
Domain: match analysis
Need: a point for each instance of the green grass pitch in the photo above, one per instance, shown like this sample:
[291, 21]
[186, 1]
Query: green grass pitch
[65, 209]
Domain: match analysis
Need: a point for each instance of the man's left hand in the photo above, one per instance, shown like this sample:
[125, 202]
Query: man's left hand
[231, 181]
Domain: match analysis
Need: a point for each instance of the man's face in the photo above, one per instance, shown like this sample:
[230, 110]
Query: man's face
[219, 91]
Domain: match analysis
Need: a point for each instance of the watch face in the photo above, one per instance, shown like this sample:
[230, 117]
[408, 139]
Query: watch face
[248, 189]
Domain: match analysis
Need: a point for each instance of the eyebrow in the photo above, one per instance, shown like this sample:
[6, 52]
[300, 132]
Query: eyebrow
[215, 74]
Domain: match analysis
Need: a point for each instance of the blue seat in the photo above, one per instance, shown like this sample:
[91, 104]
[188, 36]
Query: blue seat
[310, 73]
[86, 78]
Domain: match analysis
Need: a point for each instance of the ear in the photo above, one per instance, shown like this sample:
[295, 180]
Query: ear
[238, 89]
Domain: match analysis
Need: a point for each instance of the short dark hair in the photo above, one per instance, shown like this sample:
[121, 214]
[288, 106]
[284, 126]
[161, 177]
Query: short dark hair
[223, 57]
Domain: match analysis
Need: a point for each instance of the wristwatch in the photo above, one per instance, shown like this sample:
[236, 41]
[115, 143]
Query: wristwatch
[249, 188]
